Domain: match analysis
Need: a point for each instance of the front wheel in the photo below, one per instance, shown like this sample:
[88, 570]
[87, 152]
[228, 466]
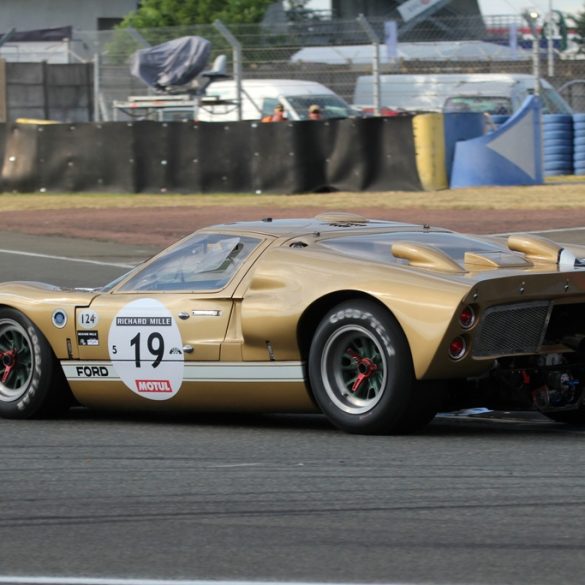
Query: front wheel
[361, 373]
[31, 383]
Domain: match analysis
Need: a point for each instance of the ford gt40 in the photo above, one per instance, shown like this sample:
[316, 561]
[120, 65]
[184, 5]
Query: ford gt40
[376, 324]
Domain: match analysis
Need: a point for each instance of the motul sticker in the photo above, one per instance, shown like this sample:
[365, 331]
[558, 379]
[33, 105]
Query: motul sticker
[153, 386]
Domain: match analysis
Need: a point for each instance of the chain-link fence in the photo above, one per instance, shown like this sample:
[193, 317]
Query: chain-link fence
[335, 53]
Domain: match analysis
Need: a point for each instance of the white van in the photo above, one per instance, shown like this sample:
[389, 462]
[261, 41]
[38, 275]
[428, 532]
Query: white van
[493, 93]
[260, 96]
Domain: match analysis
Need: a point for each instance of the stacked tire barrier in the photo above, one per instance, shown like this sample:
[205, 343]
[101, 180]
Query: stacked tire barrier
[579, 144]
[557, 136]
[498, 119]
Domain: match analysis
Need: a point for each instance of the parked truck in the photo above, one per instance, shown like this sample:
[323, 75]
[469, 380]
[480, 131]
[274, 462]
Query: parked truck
[260, 97]
[220, 102]
[492, 93]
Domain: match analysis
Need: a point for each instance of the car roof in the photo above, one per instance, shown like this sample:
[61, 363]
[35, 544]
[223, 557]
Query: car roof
[278, 86]
[323, 223]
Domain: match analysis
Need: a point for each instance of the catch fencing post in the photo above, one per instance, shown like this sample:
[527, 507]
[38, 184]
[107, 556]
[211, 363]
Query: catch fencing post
[96, 88]
[549, 34]
[531, 17]
[375, 61]
[237, 56]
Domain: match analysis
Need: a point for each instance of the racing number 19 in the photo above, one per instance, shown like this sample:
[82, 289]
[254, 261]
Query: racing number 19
[155, 345]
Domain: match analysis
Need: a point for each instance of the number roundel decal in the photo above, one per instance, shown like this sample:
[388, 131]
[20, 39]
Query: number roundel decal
[145, 347]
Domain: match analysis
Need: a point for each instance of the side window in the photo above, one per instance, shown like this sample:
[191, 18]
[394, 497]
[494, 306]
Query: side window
[203, 262]
[268, 105]
[484, 104]
[552, 102]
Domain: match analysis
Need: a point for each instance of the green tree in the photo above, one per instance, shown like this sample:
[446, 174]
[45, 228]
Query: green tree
[579, 27]
[298, 12]
[167, 13]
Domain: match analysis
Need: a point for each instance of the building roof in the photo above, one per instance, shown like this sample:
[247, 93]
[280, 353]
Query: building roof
[435, 51]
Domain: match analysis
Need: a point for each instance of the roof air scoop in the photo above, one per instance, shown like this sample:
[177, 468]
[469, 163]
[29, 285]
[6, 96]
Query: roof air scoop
[425, 256]
[496, 260]
[535, 248]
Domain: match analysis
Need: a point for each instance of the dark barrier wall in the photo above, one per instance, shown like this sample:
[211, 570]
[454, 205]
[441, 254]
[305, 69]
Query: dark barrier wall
[53, 91]
[375, 154]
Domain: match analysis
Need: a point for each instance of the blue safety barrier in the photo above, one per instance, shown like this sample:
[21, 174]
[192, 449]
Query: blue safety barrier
[511, 155]
[460, 126]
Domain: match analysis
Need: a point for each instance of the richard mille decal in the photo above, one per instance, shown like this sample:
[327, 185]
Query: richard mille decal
[144, 321]
[141, 344]
[88, 338]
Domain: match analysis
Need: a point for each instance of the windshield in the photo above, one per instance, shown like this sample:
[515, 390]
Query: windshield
[331, 106]
[483, 104]
[552, 102]
[202, 262]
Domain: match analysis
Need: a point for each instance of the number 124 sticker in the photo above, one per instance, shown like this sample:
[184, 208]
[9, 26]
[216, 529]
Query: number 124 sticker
[87, 319]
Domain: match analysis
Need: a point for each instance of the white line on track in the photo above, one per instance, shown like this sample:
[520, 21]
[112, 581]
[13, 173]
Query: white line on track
[66, 258]
[550, 231]
[19, 580]
[574, 229]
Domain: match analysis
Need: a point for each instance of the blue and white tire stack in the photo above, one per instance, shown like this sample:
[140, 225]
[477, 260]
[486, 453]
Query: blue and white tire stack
[557, 138]
[499, 119]
[579, 143]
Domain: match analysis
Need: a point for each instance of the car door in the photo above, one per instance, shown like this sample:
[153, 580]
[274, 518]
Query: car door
[155, 332]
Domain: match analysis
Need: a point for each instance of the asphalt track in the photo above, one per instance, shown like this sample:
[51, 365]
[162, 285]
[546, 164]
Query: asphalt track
[494, 500]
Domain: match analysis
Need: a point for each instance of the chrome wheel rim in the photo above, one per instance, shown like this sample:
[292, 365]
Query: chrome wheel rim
[16, 361]
[354, 369]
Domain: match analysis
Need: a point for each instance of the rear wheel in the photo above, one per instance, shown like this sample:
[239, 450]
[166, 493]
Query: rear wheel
[31, 382]
[361, 372]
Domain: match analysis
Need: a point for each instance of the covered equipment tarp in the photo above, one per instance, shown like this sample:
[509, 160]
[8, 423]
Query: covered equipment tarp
[171, 64]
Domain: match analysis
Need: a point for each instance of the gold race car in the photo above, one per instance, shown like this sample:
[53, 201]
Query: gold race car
[376, 324]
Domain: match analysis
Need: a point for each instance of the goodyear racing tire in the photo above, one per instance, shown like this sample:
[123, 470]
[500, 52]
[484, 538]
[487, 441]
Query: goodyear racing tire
[361, 373]
[31, 381]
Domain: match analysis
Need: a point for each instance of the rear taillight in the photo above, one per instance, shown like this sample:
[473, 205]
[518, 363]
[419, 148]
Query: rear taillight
[457, 348]
[467, 317]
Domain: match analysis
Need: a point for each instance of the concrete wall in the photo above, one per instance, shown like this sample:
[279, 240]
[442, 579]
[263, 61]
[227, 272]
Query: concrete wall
[81, 14]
